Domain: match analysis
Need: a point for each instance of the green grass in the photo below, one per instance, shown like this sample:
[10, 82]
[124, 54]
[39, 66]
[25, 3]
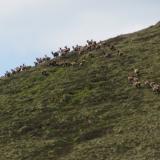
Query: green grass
[87, 112]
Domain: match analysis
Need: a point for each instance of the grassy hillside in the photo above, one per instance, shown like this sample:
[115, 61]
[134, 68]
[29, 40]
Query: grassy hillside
[88, 111]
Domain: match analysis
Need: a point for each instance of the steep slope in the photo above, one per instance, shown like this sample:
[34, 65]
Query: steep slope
[87, 111]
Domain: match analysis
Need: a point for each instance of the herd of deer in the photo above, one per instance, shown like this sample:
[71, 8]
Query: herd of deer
[91, 45]
[133, 78]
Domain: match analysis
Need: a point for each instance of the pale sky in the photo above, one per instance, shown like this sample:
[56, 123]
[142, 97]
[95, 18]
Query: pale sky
[33, 28]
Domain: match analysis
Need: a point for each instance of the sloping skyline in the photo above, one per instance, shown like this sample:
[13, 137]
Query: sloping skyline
[33, 28]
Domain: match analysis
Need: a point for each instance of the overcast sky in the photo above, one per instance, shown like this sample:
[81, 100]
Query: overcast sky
[32, 28]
